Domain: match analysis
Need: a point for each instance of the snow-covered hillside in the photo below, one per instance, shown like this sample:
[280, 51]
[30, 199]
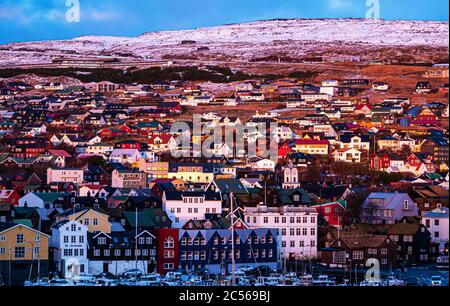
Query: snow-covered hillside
[245, 41]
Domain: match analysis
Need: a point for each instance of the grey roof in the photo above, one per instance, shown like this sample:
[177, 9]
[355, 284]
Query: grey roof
[230, 185]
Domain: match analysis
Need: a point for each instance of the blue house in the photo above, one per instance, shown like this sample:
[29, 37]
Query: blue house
[211, 250]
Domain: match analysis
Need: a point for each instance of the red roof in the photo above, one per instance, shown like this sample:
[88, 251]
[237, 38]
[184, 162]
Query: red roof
[62, 153]
[424, 121]
[360, 106]
[311, 141]
[164, 138]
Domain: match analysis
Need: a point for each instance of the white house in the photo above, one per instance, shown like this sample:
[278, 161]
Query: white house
[348, 155]
[380, 86]
[259, 163]
[94, 140]
[436, 221]
[311, 97]
[31, 199]
[65, 175]
[125, 156]
[41, 199]
[296, 225]
[99, 148]
[190, 205]
[69, 241]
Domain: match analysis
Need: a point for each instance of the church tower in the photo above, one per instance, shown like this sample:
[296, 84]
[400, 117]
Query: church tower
[290, 177]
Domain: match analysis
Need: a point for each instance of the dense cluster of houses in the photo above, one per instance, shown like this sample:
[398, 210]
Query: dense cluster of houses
[88, 184]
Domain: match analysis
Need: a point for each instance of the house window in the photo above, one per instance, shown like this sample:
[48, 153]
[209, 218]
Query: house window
[66, 239]
[358, 254]
[101, 240]
[86, 221]
[106, 252]
[168, 266]
[148, 240]
[95, 221]
[127, 252]
[19, 252]
[384, 251]
[141, 240]
[169, 243]
[169, 254]
[73, 227]
[19, 238]
[2, 251]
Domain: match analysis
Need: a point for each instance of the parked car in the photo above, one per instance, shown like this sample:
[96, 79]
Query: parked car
[436, 280]
[132, 273]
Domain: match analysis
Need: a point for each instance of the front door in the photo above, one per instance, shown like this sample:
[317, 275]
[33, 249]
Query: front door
[105, 267]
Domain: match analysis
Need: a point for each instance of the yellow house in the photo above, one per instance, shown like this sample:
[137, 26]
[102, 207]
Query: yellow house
[20, 242]
[22, 250]
[312, 146]
[94, 220]
[194, 173]
[155, 169]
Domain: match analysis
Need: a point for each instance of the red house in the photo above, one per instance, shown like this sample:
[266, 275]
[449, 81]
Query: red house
[127, 129]
[334, 213]
[9, 196]
[108, 133]
[167, 256]
[414, 161]
[380, 161]
[284, 150]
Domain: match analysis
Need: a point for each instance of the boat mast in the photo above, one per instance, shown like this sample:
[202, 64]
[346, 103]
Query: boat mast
[135, 244]
[39, 255]
[233, 263]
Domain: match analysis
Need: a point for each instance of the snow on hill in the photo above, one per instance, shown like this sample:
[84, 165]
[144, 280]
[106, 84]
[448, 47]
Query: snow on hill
[243, 41]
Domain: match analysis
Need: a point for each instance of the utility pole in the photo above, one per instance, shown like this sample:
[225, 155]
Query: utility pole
[233, 263]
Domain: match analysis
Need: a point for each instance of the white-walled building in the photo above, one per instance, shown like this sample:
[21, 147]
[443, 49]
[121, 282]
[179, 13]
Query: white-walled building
[128, 179]
[190, 205]
[348, 155]
[436, 221]
[297, 228]
[65, 175]
[125, 156]
[69, 240]
[290, 177]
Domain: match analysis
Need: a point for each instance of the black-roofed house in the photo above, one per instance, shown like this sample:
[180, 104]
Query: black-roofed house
[117, 252]
[190, 205]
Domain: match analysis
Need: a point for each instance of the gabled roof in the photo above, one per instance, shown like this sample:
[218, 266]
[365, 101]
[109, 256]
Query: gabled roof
[230, 185]
[6, 226]
[146, 217]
